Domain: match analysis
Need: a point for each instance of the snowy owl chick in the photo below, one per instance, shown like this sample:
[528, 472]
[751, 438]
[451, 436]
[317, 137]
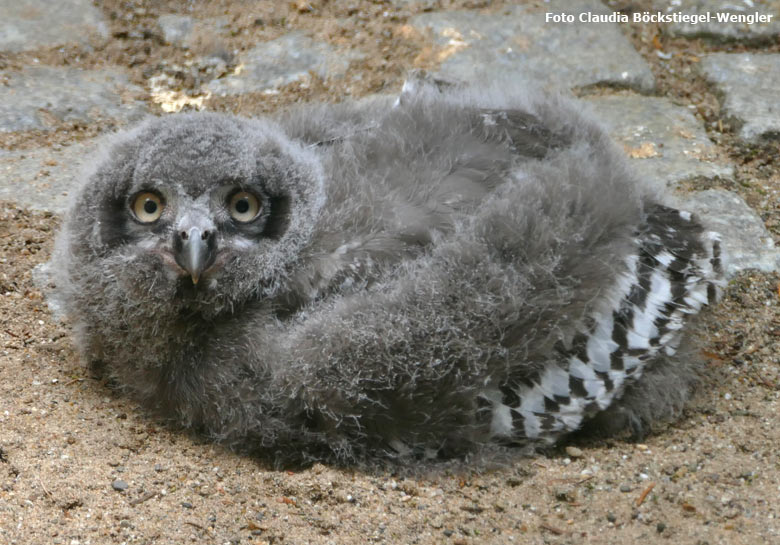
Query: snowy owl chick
[419, 277]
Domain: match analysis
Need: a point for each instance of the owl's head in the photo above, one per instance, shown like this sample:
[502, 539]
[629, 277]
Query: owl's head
[202, 209]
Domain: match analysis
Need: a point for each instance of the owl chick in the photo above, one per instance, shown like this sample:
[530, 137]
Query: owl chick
[419, 277]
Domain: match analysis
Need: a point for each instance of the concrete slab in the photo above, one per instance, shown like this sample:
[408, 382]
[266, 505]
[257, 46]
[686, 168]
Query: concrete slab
[664, 142]
[518, 42]
[282, 61]
[41, 96]
[32, 24]
[749, 84]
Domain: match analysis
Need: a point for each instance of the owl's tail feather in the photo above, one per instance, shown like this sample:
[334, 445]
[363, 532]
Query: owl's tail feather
[676, 270]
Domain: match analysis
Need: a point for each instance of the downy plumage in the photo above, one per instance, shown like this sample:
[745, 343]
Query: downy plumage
[384, 279]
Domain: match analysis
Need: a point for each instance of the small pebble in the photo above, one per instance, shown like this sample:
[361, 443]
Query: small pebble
[565, 494]
[660, 527]
[186, 505]
[119, 485]
[574, 452]
[611, 517]
[625, 488]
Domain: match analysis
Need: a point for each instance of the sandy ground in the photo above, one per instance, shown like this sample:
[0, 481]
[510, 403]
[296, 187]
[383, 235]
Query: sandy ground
[78, 464]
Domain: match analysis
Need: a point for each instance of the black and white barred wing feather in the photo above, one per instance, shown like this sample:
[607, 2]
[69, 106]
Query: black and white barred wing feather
[674, 272]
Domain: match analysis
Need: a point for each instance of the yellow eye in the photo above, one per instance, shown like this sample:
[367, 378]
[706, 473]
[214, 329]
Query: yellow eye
[244, 207]
[148, 207]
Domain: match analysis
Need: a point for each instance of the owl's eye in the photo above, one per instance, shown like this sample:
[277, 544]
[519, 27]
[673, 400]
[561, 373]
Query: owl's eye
[148, 207]
[244, 207]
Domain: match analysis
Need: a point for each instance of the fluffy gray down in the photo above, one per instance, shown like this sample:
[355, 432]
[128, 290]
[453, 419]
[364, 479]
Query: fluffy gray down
[422, 278]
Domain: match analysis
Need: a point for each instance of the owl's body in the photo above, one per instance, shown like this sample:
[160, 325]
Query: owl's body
[458, 269]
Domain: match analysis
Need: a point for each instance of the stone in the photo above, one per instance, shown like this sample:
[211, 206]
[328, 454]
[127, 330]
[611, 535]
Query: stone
[723, 26]
[185, 31]
[119, 485]
[45, 279]
[175, 28]
[665, 142]
[32, 24]
[745, 240]
[42, 179]
[284, 60]
[516, 43]
[748, 84]
[39, 97]
[566, 494]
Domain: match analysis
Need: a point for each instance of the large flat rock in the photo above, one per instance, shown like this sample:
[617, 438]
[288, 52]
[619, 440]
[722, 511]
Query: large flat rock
[665, 142]
[31, 24]
[749, 85]
[728, 20]
[282, 61]
[745, 240]
[42, 179]
[41, 96]
[518, 43]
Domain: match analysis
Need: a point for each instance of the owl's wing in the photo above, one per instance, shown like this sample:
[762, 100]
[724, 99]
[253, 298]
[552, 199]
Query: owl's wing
[406, 220]
[524, 133]
[676, 270]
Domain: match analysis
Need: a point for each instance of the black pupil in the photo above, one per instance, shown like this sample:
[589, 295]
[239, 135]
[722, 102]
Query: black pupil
[242, 206]
[150, 207]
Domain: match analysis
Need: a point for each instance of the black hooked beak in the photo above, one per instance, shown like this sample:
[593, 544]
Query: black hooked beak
[195, 250]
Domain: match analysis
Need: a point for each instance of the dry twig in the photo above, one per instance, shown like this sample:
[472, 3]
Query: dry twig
[145, 497]
[40, 482]
[552, 529]
[644, 494]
